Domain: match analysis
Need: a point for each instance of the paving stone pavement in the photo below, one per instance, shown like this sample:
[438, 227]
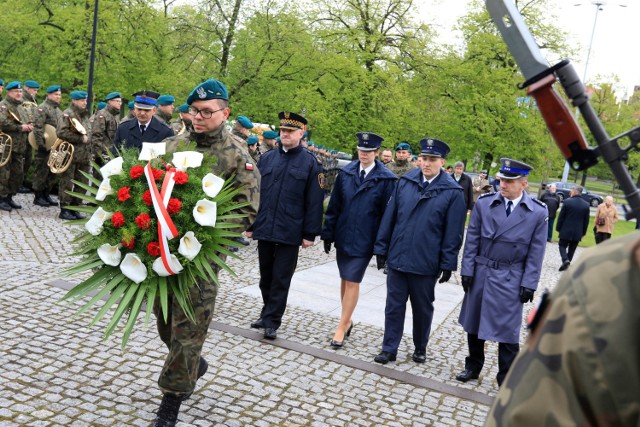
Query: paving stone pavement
[55, 370]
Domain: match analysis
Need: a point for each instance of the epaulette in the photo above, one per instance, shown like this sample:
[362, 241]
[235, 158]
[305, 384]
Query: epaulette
[541, 203]
[486, 195]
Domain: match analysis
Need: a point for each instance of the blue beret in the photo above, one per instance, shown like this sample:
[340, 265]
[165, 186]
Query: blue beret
[184, 108]
[14, 85]
[304, 135]
[166, 100]
[1, 82]
[310, 143]
[513, 169]
[434, 147]
[209, 89]
[368, 141]
[112, 95]
[101, 105]
[53, 88]
[291, 120]
[130, 105]
[245, 122]
[32, 84]
[78, 94]
[270, 134]
[252, 140]
[403, 146]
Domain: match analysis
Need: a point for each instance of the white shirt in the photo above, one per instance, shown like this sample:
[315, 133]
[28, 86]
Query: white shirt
[514, 202]
[366, 170]
[424, 178]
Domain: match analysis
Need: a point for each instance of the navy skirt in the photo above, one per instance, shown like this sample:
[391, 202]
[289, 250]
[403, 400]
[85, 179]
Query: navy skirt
[351, 268]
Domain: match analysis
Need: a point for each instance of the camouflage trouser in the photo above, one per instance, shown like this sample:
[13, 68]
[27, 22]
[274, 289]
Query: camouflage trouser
[185, 339]
[11, 175]
[73, 173]
[28, 157]
[42, 176]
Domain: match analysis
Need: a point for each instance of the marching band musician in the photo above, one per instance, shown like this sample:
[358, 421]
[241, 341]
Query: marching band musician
[29, 103]
[104, 124]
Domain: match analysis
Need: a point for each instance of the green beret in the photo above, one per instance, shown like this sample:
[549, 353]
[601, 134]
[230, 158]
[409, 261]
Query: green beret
[32, 84]
[101, 105]
[53, 88]
[112, 95]
[130, 105]
[184, 108]
[304, 135]
[166, 100]
[78, 94]
[245, 122]
[209, 89]
[1, 82]
[252, 140]
[270, 134]
[14, 85]
[403, 146]
[309, 143]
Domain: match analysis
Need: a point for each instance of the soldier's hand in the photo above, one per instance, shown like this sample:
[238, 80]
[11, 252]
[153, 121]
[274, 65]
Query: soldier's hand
[467, 281]
[85, 139]
[526, 294]
[27, 128]
[381, 260]
[445, 276]
[327, 246]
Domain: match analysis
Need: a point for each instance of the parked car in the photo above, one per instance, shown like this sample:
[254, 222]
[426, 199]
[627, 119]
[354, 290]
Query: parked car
[564, 188]
[344, 159]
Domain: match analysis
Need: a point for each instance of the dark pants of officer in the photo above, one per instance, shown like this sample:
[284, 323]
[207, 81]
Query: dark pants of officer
[475, 361]
[277, 264]
[421, 290]
[550, 229]
[563, 244]
[601, 237]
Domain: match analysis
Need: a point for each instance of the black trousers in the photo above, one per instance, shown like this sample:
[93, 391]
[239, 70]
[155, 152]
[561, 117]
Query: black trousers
[601, 237]
[563, 244]
[277, 264]
[475, 361]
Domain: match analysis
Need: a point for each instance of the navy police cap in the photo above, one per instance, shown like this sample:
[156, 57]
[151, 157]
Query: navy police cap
[513, 169]
[209, 89]
[145, 99]
[434, 147]
[290, 120]
[368, 141]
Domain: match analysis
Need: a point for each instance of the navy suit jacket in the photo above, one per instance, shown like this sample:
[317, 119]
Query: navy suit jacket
[573, 220]
[128, 133]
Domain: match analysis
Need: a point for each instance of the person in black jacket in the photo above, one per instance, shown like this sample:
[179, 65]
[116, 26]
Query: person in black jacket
[573, 222]
[358, 200]
[465, 182]
[290, 216]
[552, 200]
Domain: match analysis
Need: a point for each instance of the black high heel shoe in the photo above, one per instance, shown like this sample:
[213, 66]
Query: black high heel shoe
[340, 344]
[348, 334]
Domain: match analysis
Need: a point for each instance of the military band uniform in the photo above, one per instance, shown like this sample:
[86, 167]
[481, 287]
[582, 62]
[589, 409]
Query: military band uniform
[47, 113]
[128, 133]
[164, 117]
[400, 167]
[30, 104]
[12, 174]
[104, 124]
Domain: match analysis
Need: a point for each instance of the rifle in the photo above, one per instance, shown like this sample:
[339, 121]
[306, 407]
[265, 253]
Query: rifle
[539, 81]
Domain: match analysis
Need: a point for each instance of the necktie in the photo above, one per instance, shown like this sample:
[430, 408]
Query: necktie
[509, 204]
[142, 129]
[362, 174]
[425, 184]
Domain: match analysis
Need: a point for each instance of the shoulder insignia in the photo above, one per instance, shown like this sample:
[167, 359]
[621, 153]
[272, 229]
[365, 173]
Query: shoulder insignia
[485, 195]
[541, 203]
[4, 107]
[40, 110]
[248, 166]
[321, 181]
[91, 120]
[65, 115]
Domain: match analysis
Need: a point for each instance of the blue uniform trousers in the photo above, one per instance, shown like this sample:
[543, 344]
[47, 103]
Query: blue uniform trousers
[277, 264]
[506, 354]
[421, 290]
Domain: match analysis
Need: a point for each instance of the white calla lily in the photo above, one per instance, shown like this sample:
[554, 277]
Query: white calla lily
[205, 213]
[189, 246]
[187, 159]
[133, 267]
[151, 150]
[110, 255]
[95, 223]
[104, 190]
[113, 167]
[212, 184]
[160, 269]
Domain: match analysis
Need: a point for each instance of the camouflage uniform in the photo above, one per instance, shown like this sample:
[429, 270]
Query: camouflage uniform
[240, 135]
[400, 167]
[104, 124]
[12, 174]
[180, 126]
[130, 115]
[81, 154]
[164, 117]
[255, 155]
[47, 113]
[581, 364]
[183, 338]
[30, 105]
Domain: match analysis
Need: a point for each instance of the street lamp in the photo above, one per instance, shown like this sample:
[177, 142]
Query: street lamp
[92, 57]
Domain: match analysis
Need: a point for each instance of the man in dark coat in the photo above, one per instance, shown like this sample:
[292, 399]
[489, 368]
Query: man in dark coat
[501, 266]
[465, 182]
[552, 200]
[419, 238]
[145, 127]
[290, 216]
[572, 225]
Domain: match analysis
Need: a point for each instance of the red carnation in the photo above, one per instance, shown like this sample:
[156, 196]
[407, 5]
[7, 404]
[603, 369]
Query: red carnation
[143, 221]
[136, 172]
[153, 249]
[157, 174]
[117, 219]
[123, 194]
[174, 206]
[181, 177]
[146, 198]
[168, 166]
[128, 242]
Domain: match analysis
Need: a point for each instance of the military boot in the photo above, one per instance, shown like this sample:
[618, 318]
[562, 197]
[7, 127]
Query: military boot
[202, 369]
[167, 415]
[40, 200]
[13, 204]
[49, 199]
[24, 189]
[66, 214]
[78, 215]
[4, 204]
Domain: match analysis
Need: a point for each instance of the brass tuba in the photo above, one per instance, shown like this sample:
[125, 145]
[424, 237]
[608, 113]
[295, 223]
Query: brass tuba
[61, 156]
[5, 148]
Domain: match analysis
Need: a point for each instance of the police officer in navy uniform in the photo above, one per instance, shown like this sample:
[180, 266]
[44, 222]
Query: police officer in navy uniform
[358, 201]
[501, 265]
[145, 127]
[419, 238]
[290, 216]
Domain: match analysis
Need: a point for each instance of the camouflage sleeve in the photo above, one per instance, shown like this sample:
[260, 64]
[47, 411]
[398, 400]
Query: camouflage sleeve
[99, 137]
[65, 132]
[248, 177]
[39, 118]
[7, 122]
[580, 365]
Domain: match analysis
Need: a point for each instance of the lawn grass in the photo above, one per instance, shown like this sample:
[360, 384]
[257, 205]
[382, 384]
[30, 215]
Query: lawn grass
[622, 228]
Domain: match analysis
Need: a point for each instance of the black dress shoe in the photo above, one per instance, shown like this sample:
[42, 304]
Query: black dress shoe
[258, 324]
[467, 375]
[24, 189]
[39, 200]
[385, 357]
[565, 265]
[167, 415]
[13, 204]
[67, 214]
[419, 356]
[51, 201]
[270, 334]
[4, 205]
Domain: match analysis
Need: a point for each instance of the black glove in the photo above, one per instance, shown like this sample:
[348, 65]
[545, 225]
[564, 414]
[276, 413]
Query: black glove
[327, 246]
[42, 150]
[446, 275]
[381, 260]
[467, 281]
[526, 294]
